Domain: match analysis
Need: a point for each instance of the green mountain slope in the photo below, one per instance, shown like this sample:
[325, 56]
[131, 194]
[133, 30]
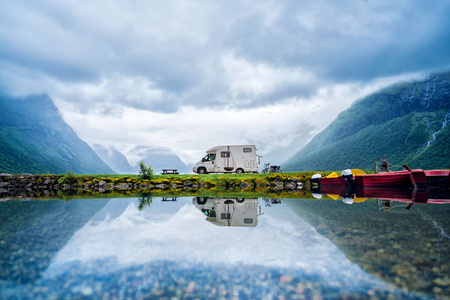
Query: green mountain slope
[407, 123]
[35, 139]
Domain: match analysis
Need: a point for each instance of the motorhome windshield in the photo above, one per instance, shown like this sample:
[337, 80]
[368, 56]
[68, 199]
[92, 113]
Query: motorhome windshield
[210, 157]
[209, 213]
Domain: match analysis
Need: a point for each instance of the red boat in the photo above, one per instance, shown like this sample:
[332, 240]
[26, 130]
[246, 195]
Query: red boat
[438, 178]
[403, 179]
[436, 196]
[418, 180]
[334, 188]
[332, 182]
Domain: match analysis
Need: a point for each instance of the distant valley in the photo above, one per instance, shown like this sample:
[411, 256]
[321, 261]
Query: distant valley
[408, 123]
[157, 157]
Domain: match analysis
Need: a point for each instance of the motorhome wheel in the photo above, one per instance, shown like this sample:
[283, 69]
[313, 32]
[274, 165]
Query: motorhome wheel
[201, 200]
[201, 171]
[239, 170]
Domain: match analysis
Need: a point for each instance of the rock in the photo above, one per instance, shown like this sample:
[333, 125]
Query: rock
[442, 281]
[121, 186]
[300, 289]
[285, 278]
[87, 291]
[190, 288]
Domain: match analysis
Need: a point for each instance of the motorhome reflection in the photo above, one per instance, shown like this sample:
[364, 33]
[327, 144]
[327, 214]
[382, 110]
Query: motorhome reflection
[229, 212]
[224, 159]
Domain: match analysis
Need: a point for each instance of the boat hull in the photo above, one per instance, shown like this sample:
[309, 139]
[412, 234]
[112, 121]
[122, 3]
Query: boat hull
[333, 185]
[399, 179]
[417, 186]
[436, 196]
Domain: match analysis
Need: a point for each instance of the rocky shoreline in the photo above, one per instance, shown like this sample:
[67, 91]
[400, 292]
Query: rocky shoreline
[34, 186]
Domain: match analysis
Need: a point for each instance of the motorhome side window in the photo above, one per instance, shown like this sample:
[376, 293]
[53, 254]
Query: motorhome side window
[225, 154]
[247, 150]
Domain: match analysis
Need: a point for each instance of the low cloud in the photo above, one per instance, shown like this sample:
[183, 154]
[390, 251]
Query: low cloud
[192, 75]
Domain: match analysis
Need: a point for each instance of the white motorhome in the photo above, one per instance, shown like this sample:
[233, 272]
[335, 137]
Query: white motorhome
[225, 159]
[229, 212]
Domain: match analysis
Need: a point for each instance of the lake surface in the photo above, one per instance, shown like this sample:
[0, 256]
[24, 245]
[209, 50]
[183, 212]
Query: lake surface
[143, 248]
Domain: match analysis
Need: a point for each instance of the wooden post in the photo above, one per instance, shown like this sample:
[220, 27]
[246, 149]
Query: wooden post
[375, 166]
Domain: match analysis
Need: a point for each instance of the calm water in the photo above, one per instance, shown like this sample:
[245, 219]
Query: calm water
[143, 248]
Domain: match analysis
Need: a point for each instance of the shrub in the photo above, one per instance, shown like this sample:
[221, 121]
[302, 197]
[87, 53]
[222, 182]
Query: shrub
[68, 178]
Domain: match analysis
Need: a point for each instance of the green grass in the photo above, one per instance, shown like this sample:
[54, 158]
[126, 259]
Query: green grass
[218, 179]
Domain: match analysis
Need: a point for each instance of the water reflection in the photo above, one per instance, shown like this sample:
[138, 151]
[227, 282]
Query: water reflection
[270, 201]
[408, 247]
[229, 212]
[351, 193]
[165, 246]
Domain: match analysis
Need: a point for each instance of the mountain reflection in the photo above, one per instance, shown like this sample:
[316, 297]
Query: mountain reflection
[229, 212]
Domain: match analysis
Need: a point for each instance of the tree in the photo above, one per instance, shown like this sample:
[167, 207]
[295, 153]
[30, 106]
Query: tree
[146, 172]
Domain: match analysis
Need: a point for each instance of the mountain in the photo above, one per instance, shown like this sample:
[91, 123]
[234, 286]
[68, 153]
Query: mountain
[115, 159]
[35, 139]
[157, 157]
[406, 123]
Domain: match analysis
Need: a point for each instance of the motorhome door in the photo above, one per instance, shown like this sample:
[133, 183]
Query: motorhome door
[208, 161]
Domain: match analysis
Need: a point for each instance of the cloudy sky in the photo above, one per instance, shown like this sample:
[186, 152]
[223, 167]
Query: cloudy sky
[189, 75]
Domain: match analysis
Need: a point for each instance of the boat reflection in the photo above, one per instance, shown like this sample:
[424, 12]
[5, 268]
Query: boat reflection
[229, 211]
[397, 194]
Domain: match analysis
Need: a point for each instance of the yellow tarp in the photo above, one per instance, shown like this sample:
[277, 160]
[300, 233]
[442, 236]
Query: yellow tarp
[358, 172]
[335, 197]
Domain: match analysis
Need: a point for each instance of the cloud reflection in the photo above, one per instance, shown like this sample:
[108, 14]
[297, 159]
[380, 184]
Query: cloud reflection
[177, 231]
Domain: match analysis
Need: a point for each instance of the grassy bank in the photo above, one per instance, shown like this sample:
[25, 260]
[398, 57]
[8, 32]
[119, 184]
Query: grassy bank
[254, 185]
[216, 179]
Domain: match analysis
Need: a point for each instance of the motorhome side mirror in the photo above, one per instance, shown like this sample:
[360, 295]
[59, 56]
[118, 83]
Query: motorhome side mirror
[203, 159]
